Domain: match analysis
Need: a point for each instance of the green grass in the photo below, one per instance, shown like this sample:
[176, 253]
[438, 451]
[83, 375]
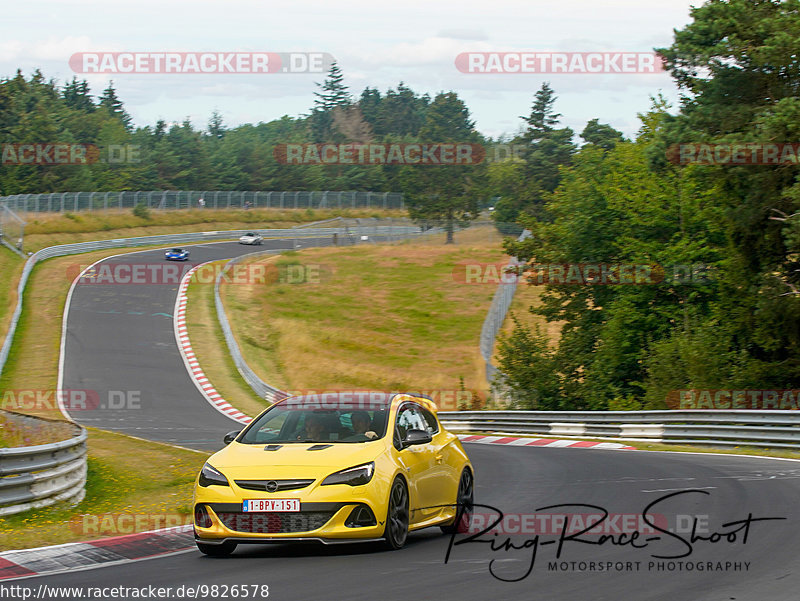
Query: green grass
[10, 269]
[13, 433]
[49, 229]
[127, 477]
[382, 317]
[211, 349]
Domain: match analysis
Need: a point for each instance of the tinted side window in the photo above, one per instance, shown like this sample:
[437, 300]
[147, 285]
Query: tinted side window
[430, 421]
[408, 418]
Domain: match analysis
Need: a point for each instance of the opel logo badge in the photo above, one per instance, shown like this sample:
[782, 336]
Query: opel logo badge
[271, 486]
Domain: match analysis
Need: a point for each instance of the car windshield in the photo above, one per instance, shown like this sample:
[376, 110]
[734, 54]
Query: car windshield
[177, 250]
[307, 419]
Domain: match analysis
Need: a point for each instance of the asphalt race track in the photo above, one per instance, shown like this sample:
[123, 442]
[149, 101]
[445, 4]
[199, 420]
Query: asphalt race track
[120, 346]
[121, 338]
[520, 480]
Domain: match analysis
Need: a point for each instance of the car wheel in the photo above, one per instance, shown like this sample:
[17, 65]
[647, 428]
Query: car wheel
[464, 500]
[222, 550]
[396, 531]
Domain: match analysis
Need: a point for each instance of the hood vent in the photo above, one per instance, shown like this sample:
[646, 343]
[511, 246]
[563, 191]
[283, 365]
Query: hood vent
[319, 447]
[272, 447]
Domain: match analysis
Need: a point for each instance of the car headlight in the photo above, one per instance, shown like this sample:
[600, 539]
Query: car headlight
[210, 475]
[354, 476]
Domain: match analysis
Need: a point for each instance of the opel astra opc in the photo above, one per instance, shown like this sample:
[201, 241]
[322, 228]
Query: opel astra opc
[334, 468]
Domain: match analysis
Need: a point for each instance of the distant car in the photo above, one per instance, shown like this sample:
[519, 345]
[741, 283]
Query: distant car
[251, 238]
[331, 468]
[176, 254]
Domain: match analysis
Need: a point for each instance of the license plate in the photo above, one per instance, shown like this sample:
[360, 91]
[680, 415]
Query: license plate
[271, 505]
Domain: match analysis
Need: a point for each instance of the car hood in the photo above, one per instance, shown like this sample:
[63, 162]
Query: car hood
[293, 459]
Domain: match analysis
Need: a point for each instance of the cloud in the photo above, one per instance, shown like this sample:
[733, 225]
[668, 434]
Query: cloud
[463, 34]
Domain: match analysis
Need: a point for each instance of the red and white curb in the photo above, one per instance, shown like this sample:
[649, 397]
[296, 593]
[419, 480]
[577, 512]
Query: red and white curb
[105, 551]
[518, 441]
[190, 359]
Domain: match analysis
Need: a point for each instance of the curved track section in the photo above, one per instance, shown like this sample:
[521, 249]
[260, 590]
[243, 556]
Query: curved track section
[120, 338]
[119, 343]
[518, 481]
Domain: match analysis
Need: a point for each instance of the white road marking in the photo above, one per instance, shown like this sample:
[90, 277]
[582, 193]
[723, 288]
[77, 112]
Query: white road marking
[676, 489]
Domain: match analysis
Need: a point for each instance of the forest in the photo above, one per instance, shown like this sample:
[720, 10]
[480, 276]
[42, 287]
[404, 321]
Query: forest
[590, 197]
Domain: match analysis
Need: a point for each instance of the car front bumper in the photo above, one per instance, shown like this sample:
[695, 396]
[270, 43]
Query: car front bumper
[324, 514]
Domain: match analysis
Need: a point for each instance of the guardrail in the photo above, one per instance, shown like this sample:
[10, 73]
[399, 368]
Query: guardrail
[719, 428]
[501, 301]
[41, 475]
[259, 386]
[167, 240]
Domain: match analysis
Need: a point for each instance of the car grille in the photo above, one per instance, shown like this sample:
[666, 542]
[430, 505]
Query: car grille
[275, 523]
[279, 485]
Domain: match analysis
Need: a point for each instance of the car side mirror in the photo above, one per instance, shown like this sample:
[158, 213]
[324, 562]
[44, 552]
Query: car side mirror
[414, 437]
[231, 436]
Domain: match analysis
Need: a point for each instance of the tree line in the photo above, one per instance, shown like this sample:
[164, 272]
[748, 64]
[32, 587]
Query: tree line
[217, 157]
[730, 319]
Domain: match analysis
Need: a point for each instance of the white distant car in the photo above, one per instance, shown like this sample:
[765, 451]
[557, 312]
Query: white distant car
[251, 238]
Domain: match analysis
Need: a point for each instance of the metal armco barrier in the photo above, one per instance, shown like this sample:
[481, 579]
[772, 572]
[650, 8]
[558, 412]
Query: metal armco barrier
[172, 239]
[501, 301]
[259, 386]
[700, 427]
[41, 475]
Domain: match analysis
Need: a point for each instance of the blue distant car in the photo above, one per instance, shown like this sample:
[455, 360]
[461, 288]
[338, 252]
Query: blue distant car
[176, 254]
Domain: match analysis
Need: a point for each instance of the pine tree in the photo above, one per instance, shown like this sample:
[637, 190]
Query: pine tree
[76, 95]
[216, 127]
[447, 194]
[110, 102]
[542, 118]
[334, 92]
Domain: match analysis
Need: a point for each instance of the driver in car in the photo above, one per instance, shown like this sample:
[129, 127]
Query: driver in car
[361, 422]
[314, 428]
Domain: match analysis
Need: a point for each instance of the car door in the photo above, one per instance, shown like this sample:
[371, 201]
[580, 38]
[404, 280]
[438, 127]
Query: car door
[444, 473]
[418, 461]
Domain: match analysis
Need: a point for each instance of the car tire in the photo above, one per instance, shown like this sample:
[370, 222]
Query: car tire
[396, 531]
[221, 550]
[464, 498]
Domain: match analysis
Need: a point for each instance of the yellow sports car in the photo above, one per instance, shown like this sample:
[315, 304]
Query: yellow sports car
[337, 467]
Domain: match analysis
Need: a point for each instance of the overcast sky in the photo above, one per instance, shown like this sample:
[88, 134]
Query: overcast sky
[376, 44]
